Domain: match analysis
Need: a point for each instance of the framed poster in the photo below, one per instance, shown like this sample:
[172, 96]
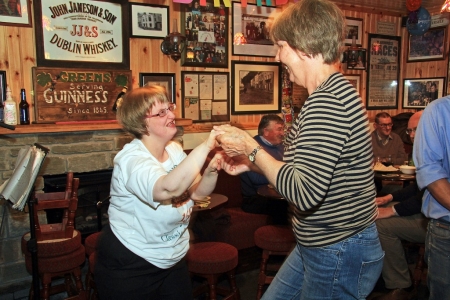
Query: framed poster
[383, 72]
[355, 80]
[18, 14]
[149, 21]
[252, 22]
[166, 80]
[206, 32]
[419, 92]
[429, 46]
[255, 88]
[2, 86]
[354, 27]
[86, 34]
[205, 96]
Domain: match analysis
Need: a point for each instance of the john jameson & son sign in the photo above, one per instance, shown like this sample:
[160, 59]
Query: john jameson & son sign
[84, 31]
[76, 94]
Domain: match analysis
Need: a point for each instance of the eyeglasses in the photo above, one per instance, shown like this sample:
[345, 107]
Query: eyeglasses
[411, 130]
[163, 112]
[386, 125]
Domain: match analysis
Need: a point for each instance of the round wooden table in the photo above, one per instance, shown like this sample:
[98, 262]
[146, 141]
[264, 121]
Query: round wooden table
[216, 200]
[269, 192]
[395, 176]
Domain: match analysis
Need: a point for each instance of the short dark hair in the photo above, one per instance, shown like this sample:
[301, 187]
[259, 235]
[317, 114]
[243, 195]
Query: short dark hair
[381, 115]
[265, 121]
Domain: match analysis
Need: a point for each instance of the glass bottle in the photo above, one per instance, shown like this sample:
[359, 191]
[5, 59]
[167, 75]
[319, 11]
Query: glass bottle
[10, 109]
[2, 113]
[24, 109]
[118, 101]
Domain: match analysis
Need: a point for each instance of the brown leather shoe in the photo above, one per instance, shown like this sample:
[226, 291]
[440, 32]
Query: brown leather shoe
[398, 294]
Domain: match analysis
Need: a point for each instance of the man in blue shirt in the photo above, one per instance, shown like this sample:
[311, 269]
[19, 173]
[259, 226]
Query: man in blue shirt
[432, 159]
[270, 137]
[400, 220]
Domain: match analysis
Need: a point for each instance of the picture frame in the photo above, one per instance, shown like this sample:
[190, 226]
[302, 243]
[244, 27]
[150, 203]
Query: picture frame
[418, 45]
[98, 38]
[166, 80]
[419, 92]
[149, 21]
[355, 80]
[255, 88]
[383, 72]
[2, 86]
[354, 26]
[21, 17]
[251, 21]
[361, 57]
[205, 96]
[206, 32]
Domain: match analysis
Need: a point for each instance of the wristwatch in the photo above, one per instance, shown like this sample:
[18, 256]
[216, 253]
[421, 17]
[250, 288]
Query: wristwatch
[252, 155]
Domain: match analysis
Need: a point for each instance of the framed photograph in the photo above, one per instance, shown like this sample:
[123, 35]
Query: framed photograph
[252, 22]
[359, 55]
[255, 88]
[355, 80]
[18, 14]
[429, 46]
[149, 21]
[354, 28]
[205, 96]
[419, 92]
[383, 72]
[75, 35]
[2, 86]
[206, 32]
[166, 80]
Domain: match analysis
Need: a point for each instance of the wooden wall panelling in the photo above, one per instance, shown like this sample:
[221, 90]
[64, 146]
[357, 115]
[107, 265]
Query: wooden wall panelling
[17, 56]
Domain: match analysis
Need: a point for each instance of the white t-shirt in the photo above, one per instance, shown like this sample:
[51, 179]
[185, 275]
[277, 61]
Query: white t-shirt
[151, 230]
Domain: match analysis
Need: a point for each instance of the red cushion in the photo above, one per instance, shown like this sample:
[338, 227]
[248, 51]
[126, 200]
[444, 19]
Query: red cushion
[211, 258]
[90, 243]
[58, 263]
[55, 247]
[275, 238]
[241, 229]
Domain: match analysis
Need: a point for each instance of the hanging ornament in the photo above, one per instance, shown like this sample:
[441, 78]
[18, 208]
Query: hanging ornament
[421, 25]
[413, 5]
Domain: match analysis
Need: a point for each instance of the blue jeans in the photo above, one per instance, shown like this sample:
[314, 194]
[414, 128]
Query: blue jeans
[437, 256]
[345, 270]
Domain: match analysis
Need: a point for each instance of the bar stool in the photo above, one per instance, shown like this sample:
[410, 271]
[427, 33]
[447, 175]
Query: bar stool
[210, 260]
[273, 240]
[418, 273]
[90, 245]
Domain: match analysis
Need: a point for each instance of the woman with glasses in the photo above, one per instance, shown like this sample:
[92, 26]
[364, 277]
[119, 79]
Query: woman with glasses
[140, 254]
[386, 143]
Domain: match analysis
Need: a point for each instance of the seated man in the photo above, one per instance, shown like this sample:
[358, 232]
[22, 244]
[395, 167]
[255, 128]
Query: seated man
[386, 143]
[270, 137]
[401, 221]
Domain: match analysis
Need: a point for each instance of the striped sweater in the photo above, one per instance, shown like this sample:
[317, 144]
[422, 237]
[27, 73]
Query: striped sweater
[328, 173]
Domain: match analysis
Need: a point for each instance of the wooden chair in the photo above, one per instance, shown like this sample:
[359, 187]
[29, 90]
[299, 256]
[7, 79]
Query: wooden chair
[59, 248]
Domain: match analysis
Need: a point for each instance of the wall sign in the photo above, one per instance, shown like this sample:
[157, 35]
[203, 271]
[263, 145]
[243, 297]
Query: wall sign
[62, 95]
[383, 71]
[86, 34]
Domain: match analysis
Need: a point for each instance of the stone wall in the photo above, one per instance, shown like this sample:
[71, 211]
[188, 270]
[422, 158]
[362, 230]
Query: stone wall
[76, 152]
